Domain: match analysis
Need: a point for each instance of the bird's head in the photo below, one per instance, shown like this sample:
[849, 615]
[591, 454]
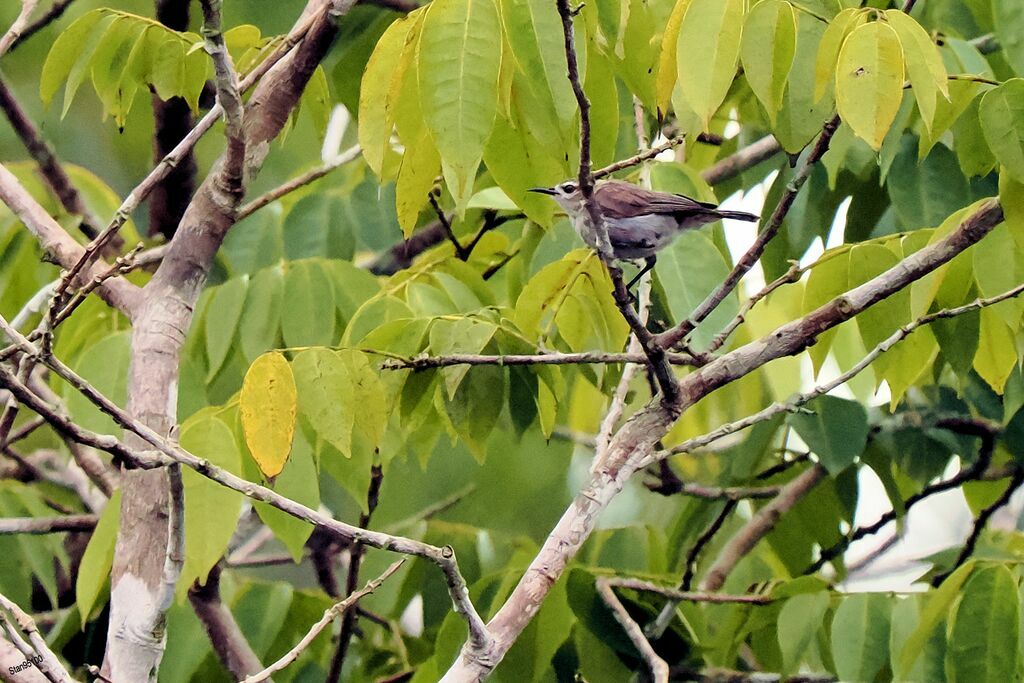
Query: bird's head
[567, 195]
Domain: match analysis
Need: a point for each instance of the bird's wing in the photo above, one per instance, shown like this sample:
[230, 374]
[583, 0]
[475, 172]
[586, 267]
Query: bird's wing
[619, 199]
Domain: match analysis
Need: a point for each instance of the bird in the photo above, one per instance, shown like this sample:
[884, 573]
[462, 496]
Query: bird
[640, 222]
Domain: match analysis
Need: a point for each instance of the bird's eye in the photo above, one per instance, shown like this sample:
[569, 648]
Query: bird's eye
[568, 188]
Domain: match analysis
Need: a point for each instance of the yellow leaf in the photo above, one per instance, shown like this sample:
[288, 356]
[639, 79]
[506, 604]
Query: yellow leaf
[869, 81]
[666, 79]
[925, 69]
[997, 354]
[268, 404]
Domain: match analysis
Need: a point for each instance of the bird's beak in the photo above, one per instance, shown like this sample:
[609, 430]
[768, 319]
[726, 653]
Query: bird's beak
[543, 190]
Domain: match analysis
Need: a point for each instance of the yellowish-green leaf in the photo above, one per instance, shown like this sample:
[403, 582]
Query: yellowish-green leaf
[831, 43]
[983, 640]
[665, 81]
[268, 404]
[420, 166]
[869, 81]
[924, 65]
[1011, 197]
[997, 353]
[801, 117]
[534, 32]
[828, 279]
[94, 570]
[67, 50]
[1002, 121]
[998, 267]
[384, 67]
[707, 53]
[767, 50]
[211, 510]
[458, 64]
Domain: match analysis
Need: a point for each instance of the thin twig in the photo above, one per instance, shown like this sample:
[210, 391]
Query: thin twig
[979, 525]
[794, 403]
[976, 471]
[655, 353]
[47, 525]
[355, 561]
[792, 275]
[586, 357]
[40, 653]
[55, 12]
[18, 27]
[329, 615]
[298, 182]
[677, 334]
[444, 557]
[657, 665]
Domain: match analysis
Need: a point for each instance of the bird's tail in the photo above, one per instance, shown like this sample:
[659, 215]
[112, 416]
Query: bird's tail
[739, 216]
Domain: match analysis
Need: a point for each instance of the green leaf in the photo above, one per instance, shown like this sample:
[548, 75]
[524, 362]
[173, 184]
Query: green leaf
[985, 625]
[384, 68]
[464, 335]
[837, 431]
[308, 318]
[316, 226]
[665, 81]
[707, 52]
[458, 62]
[420, 166]
[767, 51]
[925, 193]
[869, 81]
[94, 570]
[299, 482]
[108, 64]
[518, 162]
[924, 64]
[267, 405]
[1011, 198]
[221, 321]
[211, 510]
[800, 619]
[935, 610]
[999, 267]
[860, 636]
[1008, 21]
[972, 150]
[689, 270]
[1002, 121]
[828, 279]
[997, 352]
[831, 43]
[260, 325]
[534, 33]
[802, 115]
[67, 51]
[102, 365]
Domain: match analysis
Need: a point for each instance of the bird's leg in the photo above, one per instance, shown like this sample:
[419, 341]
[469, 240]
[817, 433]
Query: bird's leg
[648, 264]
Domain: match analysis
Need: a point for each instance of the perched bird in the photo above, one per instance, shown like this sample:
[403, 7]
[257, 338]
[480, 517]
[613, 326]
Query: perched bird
[640, 222]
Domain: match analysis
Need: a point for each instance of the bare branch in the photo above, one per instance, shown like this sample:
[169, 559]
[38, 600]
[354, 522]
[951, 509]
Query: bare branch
[55, 12]
[298, 182]
[657, 665]
[355, 561]
[677, 334]
[47, 525]
[741, 160]
[225, 636]
[332, 612]
[39, 652]
[800, 399]
[60, 246]
[690, 596]
[586, 357]
[19, 25]
[760, 524]
[50, 167]
[792, 275]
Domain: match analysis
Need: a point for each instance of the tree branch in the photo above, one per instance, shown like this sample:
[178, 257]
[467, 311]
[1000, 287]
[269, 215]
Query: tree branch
[37, 650]
[657, 665]
[55, 12]
[59, 246]
[298, 182]
[19, 25]
[586, 357]
[677, 334]
[50, 167]
[225, 636]
[330, 615]
[47, 525]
